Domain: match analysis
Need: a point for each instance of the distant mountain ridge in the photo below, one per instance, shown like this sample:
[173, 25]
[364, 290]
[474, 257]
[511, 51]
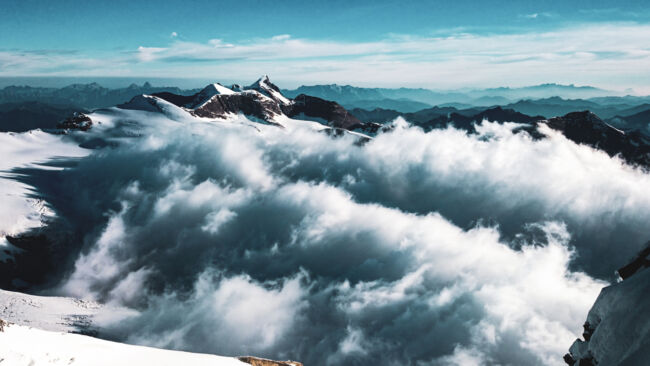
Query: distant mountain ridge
[45, 107]
[87, 96]
[348, 95]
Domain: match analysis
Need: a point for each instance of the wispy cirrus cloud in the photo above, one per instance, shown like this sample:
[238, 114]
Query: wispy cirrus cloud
[536, 15]
[613, 55]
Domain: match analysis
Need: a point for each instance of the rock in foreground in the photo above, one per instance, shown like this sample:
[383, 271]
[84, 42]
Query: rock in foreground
[617, 330]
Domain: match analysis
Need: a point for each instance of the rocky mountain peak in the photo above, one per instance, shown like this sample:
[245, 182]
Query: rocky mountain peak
[261, 100]
[587, 128]
[76, 121]
[267, 88]
[207, 93]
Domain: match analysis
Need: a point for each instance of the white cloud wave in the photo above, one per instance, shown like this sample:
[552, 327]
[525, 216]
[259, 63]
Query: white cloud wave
[296, 245]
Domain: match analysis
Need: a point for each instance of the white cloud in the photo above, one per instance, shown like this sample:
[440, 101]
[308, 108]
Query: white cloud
[296, 245]
[281, 37]
[146, 54]
[173, 35]
[536, 15]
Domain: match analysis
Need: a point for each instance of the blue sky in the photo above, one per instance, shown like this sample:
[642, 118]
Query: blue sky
[435, 44]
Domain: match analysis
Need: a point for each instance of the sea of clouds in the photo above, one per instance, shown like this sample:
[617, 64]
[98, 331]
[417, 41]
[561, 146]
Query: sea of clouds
[438, 248]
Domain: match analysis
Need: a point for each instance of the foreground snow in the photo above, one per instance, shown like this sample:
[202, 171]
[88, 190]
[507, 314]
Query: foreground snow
[617, 330]
[22, 345]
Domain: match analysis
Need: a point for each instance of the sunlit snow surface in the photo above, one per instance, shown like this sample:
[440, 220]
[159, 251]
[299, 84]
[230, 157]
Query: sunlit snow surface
[25, 346]
[235, 237]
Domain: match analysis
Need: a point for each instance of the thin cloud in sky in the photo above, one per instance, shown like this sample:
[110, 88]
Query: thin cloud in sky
[536, 15]
[604, 54]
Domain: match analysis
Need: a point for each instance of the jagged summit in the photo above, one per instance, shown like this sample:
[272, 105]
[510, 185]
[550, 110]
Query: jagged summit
[267, 88]
[261, 100]
[587, 128]
[264, 79]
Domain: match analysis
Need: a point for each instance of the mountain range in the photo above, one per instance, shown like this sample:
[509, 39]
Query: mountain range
[27, 107]
[402, 99]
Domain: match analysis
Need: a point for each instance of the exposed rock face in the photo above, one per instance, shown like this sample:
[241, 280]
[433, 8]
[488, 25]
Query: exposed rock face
[315, 107]
[2, 325]
[586, 128]
[617, 330]
[77, 121]
[267, 88]
[256, 361]
[641, 261]
[248, 103]
[262, 100]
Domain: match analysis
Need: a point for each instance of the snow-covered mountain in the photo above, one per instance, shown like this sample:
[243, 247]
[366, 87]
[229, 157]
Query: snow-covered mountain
[261, 100]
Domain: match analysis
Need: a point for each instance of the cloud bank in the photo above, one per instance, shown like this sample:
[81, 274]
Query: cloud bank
[437, 248]
[609, 55]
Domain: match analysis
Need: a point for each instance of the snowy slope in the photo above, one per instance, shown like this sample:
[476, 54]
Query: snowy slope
[22, 345]
[207, 93]
[154, 104]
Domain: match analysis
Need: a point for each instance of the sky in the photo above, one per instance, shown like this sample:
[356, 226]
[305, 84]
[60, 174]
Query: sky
[433, 44]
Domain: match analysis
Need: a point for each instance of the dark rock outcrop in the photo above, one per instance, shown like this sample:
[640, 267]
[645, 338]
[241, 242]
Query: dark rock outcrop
[617, 330]
[642, 260]
[256, 361]
[77, 121]
[329, 111]
[248, 103]
[587, 128]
